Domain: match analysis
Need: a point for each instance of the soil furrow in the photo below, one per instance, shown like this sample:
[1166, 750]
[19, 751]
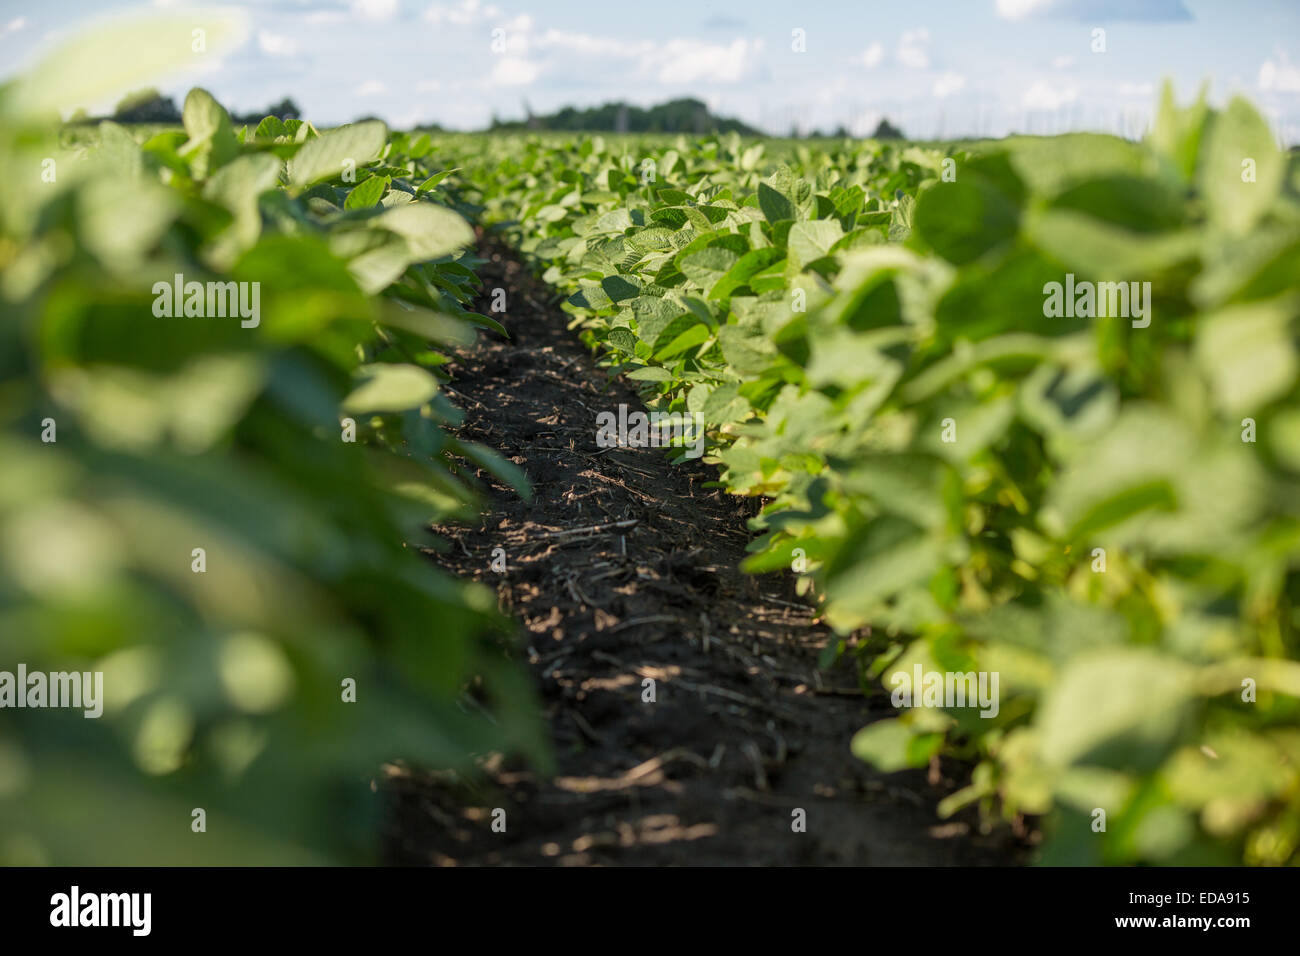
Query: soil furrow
[625, 568]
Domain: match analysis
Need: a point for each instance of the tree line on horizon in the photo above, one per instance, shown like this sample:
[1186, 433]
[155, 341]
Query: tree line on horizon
[684, 115]
[150, 106]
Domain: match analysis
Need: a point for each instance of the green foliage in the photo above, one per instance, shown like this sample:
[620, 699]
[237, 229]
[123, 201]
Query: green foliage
[224, 683]
[868, 343]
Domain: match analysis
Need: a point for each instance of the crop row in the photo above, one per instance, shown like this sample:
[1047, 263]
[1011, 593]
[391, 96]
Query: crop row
[1027, 410]
[219, 362]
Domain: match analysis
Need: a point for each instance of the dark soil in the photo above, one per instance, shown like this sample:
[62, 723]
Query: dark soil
[624, 567]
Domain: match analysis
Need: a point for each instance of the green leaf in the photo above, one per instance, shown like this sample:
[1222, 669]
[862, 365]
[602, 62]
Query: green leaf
[725, 405]
[887, 556]
[590, 295]
[922, 489]
[1236, 195]
[390, 388]
[890, 745]
[748, 350]
[376, 258]
[696, 335]
[707, 266]
[775, 206]
[436, 178]
[272, 127]
[650, 373]
[432, 231]
[1096, 248]
[963, 220]
[121, 226]
[811, 240]
[1051, 164]
[1177, 133]
[745, 268]
[212, 142]
[1121, 708]
[368, 193]
[237, 186]
[1249, 354]
[620, 288]
[337, 151]
[118, 153]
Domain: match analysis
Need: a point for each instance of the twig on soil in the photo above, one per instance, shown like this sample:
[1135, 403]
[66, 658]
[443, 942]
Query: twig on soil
[798, 607]
[591, 529]
[643, 774]
[750, 750]
[647, 619]
[447, 388]
[586, 728]
[657, 763]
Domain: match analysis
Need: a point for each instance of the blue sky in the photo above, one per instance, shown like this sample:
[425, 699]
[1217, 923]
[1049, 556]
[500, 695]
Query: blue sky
[935, 67]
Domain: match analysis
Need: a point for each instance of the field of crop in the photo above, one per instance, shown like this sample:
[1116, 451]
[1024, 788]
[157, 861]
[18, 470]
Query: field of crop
[1016, 421]
[1100, 509]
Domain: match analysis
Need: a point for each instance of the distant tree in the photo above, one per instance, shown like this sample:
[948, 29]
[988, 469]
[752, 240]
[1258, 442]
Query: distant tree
[686, 115]
[284, 110]
[887, 130]
[147, 106]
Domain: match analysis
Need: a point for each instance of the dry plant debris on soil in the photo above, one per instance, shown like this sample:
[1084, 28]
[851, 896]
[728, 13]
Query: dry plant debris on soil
[624, 567]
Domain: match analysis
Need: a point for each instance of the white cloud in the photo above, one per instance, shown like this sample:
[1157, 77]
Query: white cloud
[1062, 62]
[1019, 9]
[1042, 96]
[375, 9]
[371, 88]
[275, 44]
[1147, 11]
[13, 26]
[514, 71]
[948, 83]
[584, 44]
[675, 61]
[1280, 77]
[872, 55]
[529, 53]
[687, 60]
[465, 13]
[911, 48]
